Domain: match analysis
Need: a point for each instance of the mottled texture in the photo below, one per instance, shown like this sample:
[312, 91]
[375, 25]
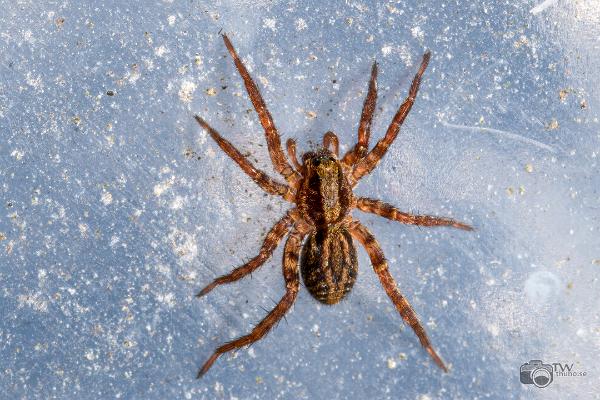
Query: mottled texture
[329, 264]
[324, 195]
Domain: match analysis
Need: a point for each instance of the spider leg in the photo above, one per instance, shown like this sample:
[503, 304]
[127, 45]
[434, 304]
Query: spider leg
[330, 139]
[273, 142]
[262, 179]
[269, 245]
[358, 231]
[390, 212]
[364, 128]
[291, 149]
[370, 161]
[291, 276]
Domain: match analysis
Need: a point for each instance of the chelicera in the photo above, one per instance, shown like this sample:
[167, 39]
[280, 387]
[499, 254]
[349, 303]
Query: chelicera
[319, 228]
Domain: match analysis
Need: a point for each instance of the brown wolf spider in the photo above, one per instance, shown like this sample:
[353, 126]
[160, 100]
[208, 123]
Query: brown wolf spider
[321, 189]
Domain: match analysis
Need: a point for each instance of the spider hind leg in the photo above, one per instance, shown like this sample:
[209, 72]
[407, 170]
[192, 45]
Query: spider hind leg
[387, 281]
[292, 282]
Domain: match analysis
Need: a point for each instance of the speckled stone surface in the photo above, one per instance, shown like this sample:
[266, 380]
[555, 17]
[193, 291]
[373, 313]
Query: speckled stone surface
[116, 208]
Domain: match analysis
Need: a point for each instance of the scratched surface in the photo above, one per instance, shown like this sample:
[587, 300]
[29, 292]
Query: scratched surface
[116, 208]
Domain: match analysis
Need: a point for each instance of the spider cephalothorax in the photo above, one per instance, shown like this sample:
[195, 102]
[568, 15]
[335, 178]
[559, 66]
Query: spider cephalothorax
[320, 228]
[324, 195]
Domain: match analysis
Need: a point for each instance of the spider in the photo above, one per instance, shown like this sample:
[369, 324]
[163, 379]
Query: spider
[320, 229]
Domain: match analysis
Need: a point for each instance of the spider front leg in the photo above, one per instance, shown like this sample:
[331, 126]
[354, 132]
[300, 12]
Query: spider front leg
[262, 179]
[273, 142]
[358, 231]
[364, 127]
[277, 232]
[290, 274]
[331, 143]
[291, 149]
[390, 212]
[368, 163]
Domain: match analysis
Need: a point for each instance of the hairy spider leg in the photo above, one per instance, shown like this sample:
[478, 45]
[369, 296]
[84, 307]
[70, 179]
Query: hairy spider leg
[364, 128]
[390, 212]
[361, 233]
[291, 149]
[273, 142]
[331, 142]
[291, 275]
[262, 179]
[370, 161]
[277, 232]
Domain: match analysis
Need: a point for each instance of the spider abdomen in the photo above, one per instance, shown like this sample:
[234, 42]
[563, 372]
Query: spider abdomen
[329, 264]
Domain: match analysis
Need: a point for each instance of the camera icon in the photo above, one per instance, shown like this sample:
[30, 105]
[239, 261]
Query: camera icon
[537, 373]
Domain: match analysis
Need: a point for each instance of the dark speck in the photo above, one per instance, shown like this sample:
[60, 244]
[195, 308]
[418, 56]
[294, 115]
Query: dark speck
[110, 93]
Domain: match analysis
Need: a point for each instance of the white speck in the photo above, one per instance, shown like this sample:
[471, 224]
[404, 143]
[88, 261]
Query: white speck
[106, 198]
[417, 33]
[177, 203]
[218, 387]
[42, 275]
[160, 51]
[114, 240]
[35, 82]
[301, 24]
[270, 23]
[183, 245]
[251, 352]
[186, 91]
[210, 152]
[160, 188]
[264, 81]
[387, 50]
[83, 230]
[391, 363]
[149, 64]
[405, 55]
[494, 330]
[171, 20]
[163, 269]
[28, 36]
[33, 301]
[168, 299]
[17, 154]
[90, 355]
[315, 330]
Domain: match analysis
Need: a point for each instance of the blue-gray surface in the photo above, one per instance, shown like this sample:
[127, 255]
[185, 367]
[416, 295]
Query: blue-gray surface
[116, 208]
